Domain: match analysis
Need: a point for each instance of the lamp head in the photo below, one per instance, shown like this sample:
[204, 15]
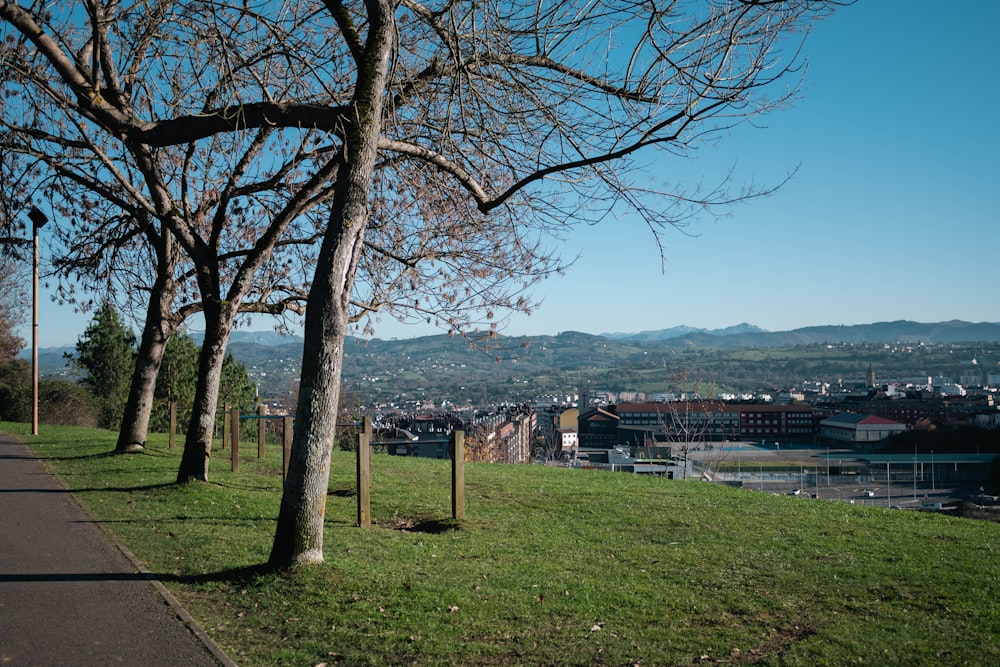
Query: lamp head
[38, 219]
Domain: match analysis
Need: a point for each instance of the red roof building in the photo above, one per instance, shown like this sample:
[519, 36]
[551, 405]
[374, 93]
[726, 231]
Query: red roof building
[859, 429]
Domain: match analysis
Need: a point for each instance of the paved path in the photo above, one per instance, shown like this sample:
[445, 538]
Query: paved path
[68, 596]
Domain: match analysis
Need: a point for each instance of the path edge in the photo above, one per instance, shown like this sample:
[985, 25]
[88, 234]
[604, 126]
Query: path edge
[185, 617]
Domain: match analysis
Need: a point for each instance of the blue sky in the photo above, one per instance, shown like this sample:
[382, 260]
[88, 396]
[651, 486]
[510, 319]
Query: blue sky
[894, 212]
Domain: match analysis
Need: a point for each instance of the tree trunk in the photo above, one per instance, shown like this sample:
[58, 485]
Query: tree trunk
[155, 334]
[298, 539]
[198, 443]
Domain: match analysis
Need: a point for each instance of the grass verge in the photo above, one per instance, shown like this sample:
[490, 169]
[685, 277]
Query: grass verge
[551, 567]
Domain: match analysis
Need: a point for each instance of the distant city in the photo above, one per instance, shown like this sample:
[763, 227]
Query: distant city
[740, 363]
[899, 403]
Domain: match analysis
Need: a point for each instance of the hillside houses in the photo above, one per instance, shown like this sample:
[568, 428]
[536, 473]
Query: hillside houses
[505, 435]
[559, 421]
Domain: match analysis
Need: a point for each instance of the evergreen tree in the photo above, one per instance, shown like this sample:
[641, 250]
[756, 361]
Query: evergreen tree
[235, 388]
[237, 391]
[176, 381]
[106, 352]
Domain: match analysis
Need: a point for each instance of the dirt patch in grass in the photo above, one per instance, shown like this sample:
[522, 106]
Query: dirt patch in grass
[418, 524]
[777, 643]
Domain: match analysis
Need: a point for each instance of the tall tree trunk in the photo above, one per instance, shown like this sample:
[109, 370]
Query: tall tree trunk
[299, 535]
[219, 320]
[155, 334]
[298, 539]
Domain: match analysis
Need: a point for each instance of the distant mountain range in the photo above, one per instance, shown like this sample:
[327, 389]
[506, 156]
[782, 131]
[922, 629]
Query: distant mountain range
[270, 351]
[747, 335]
[744, 335]
[740, 335]
[677, 332]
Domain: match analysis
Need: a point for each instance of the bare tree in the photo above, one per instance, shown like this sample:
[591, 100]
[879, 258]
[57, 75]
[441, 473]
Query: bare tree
[212, 211]
[133, 264]
[14, 267]
[454, 139]
[197, 227]
[694, 425]
[13, 307]
[528, 113]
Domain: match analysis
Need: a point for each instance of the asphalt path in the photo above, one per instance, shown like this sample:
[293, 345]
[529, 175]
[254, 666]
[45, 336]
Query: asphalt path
[68, 594]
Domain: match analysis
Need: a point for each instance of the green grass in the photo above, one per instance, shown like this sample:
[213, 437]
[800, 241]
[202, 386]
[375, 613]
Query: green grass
[550, 567]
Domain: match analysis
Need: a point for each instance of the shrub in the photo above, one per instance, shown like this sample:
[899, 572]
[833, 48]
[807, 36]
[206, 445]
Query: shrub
[66, 404]
[15, 391]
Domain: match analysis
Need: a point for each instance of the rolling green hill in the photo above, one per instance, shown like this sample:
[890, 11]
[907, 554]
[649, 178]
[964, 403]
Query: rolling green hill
[523, 368]
[518, 369]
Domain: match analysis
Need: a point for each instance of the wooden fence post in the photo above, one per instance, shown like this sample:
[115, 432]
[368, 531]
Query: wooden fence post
[286, 444]
[226, 426]
[172, 438]
[234, 430]
[458, 475]
[261, 430]
[365, 473]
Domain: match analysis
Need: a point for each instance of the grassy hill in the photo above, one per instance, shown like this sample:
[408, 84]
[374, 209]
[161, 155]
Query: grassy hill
[741, 359]
[550, 567]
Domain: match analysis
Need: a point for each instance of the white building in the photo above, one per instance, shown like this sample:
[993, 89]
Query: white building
[858, 428]
[567, 441]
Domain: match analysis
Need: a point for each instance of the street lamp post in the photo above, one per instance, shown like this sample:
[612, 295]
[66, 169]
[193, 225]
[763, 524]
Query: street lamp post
[933, 487]
[888, 483]
[38, 220]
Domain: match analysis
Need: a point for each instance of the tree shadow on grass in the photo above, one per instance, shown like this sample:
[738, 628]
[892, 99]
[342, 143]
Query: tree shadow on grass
[61, 490]
[81, 457]
[124, 489]
[246, 486]
[238, 575]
